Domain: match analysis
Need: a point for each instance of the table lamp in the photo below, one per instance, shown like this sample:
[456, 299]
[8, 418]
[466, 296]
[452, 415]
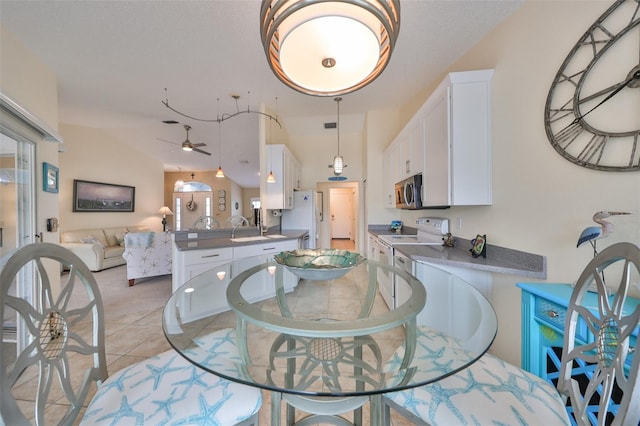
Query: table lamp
[164, 211]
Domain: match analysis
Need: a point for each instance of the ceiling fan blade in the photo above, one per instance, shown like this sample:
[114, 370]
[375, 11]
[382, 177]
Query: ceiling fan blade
[201, 151]
[195, 145]
[164, 140]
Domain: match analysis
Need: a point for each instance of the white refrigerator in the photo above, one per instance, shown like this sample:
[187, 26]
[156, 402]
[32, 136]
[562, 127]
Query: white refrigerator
[305, 214]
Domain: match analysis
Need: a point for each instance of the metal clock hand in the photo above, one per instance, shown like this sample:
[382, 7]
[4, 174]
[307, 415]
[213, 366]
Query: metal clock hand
[634, 75]
[633, 80]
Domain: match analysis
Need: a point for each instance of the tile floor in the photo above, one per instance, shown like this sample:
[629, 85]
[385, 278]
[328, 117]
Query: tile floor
[133, 332]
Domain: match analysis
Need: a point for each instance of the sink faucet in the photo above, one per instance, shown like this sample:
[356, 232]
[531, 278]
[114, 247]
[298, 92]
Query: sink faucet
[239, 223]
[259, 224]
[233, 231]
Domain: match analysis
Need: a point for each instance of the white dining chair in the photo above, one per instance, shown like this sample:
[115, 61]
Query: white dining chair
[65, 353]
[598, 380]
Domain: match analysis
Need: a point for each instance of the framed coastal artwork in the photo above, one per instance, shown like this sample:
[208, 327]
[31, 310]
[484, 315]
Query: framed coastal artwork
[102, 197]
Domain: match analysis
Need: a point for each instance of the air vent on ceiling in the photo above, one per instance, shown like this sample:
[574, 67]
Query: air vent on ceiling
[330, 125]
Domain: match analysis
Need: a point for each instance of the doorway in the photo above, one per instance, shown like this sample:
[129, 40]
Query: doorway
[342, 214]
[17, 224]
[341, 206]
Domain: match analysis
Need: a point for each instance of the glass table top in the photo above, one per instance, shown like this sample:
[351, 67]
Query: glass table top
[255, 322]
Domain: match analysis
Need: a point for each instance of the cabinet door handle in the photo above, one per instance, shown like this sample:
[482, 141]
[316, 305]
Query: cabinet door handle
[209, 255]
[268, 248]
[553, 314]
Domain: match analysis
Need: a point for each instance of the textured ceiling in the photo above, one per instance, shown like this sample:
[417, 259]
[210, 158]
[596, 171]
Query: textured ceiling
[114, 59]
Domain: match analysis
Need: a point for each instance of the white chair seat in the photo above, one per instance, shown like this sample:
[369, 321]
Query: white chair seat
[490, 391]
[167, 389]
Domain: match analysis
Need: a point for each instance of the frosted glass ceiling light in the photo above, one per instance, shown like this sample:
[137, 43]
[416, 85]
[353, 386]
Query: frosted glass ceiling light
[327, 48]
[338, 165]
[338, 162]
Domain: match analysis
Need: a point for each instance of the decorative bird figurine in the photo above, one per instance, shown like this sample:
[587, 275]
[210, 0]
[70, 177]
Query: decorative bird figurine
[593, 233]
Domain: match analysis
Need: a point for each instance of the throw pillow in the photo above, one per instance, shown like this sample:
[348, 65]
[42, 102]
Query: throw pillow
[91, 240]
[120, 238]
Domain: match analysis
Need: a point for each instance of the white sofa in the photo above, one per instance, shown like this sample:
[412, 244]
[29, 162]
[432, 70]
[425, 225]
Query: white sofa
[148, 254]
[98, 248]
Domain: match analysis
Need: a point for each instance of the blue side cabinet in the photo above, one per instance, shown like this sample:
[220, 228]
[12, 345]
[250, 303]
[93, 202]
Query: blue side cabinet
[544, 306]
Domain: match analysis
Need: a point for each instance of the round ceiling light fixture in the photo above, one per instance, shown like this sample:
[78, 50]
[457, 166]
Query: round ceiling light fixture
[329, 48]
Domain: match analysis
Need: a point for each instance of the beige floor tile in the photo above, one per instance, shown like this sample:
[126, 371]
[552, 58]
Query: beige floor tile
[129, 338]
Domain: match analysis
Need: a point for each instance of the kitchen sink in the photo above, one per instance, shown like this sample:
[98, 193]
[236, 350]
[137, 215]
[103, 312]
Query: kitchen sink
[247, 239]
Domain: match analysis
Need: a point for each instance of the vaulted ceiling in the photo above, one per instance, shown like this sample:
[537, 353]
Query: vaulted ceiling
[114, 60]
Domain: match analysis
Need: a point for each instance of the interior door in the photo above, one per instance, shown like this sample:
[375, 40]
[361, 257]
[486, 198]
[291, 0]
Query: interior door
[341, 206]
[189, 206]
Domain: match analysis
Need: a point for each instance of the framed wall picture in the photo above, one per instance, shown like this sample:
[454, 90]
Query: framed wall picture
[49, 178]
[102, 197]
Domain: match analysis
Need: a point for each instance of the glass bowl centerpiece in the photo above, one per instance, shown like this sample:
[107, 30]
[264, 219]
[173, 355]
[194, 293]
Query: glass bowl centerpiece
[319, 264]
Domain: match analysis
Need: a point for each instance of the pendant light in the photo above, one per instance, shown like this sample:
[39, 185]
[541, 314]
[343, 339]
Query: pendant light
[271, 178]
[338, 162]
[219, 173]
[328, 47]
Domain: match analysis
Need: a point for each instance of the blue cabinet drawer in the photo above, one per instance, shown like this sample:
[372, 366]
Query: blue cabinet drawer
[550, 313]
[554, 315]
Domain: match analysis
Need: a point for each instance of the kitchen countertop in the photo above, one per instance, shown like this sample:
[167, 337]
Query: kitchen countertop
[499, 259]
[211, 240]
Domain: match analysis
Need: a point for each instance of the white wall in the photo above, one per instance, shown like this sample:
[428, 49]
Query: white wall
[93, 155]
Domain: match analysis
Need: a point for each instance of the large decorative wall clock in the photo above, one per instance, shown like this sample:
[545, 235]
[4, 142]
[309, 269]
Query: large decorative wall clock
[592, 113]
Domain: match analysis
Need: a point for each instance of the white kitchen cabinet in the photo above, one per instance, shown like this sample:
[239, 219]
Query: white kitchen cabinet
[286, 169]
[389, 166]
[480, 280]
[457, 141]
[189, 263]
[410, 148]
[260, 286]
[437, 280]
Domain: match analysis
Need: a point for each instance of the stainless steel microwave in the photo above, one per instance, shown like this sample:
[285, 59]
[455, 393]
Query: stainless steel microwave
[409, 193]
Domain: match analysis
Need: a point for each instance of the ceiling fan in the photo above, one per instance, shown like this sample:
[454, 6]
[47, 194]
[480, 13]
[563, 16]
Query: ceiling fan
[187, 145]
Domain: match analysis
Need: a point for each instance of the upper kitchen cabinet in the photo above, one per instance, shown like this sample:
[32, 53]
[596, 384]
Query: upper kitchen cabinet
[286, 169]
[411, 149]
[457, 141]
[390, 175]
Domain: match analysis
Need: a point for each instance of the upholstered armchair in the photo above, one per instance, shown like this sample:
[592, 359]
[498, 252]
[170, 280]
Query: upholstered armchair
[148, 254]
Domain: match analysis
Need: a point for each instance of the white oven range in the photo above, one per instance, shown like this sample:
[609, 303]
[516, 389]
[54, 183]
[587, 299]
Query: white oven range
[430, 232]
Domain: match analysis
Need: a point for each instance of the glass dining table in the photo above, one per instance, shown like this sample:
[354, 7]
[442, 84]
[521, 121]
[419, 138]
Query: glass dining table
[326, 344]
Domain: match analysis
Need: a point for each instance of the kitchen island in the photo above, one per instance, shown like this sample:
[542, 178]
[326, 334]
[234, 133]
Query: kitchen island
[197, 251]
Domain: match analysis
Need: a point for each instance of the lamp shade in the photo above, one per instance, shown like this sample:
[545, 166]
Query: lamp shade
[326, 48]
[164, 210]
